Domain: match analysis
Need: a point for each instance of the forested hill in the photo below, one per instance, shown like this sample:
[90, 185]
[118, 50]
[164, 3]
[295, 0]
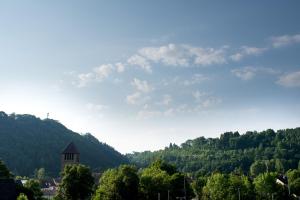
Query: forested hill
[28, 143]
[280, 150]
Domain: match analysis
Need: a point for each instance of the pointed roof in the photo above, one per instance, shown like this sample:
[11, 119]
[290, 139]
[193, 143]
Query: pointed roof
[71, 148]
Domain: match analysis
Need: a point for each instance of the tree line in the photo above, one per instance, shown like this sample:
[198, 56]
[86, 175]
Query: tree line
[267, 149]
[161, 180]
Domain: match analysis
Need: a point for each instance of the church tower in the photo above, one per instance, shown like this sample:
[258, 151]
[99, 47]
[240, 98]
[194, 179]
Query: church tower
[69, 156]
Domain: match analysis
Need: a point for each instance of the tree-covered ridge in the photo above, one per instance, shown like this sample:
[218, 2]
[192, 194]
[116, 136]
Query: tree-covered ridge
[280, 149]
[28, 143]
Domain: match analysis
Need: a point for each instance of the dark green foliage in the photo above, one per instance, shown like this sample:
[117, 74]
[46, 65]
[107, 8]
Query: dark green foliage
[258, 167]
[4, 172]
[266, 187]
[118, 184]
[162, 178]
[294, 181]
[154, 181]
[76, 184]
[223, 186]
[198, 185]
[22, 197]
[216, 187]
[240, 185]
[34, 187]
[38, 144]
[31, 190]
[266, 151]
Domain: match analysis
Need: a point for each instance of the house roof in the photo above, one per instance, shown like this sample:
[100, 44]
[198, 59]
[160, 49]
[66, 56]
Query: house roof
[71, 148]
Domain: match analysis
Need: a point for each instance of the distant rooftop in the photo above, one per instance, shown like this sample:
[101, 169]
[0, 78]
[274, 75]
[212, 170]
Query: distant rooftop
[71, 148]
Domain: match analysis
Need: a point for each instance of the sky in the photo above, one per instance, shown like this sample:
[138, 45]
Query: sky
[139, 74]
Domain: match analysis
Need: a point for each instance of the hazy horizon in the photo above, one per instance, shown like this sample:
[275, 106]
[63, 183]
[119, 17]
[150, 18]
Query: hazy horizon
[140, 75]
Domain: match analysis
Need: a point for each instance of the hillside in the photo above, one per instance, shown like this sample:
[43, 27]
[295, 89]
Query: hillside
[280, 150]
[28, 143]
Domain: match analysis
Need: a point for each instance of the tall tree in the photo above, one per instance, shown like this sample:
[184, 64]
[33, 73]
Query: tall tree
[76, 184]
[266, 186]
[294, 181]
[240, 187]
[162, 179]
[118, 184]
[216, 187]
[4, 172]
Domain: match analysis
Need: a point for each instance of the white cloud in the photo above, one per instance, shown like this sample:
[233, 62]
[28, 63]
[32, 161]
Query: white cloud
[253, 50]
[177, 55]
[249, 72]
[246, 73]
[290, 80]
[142, 86]
[207, 56]
[285, 40]
[133, 98]
[84, 79]
[103, 71]
[170, 54]
[247, 51]
[96, 75]
[196, 79]
[140, 61]
[120, 67]
[237, 56]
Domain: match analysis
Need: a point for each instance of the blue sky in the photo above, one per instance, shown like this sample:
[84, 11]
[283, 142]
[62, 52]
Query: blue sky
[141, 74]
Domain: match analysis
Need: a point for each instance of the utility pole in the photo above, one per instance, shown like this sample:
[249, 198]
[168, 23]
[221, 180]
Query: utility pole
[239, 193]
[158, 196]
[47, 115]
[168, 194]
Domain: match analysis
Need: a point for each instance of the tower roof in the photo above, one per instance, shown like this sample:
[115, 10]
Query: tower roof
[71, 148]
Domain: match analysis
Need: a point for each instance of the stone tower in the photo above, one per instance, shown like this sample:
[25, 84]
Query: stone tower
[69, 156]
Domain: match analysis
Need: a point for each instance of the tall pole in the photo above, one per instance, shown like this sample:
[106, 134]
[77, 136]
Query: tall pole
[239, 193]
[158, 196]
[168, 194]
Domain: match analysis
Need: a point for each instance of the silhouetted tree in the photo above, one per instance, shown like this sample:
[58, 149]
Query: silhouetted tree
[76, 184]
